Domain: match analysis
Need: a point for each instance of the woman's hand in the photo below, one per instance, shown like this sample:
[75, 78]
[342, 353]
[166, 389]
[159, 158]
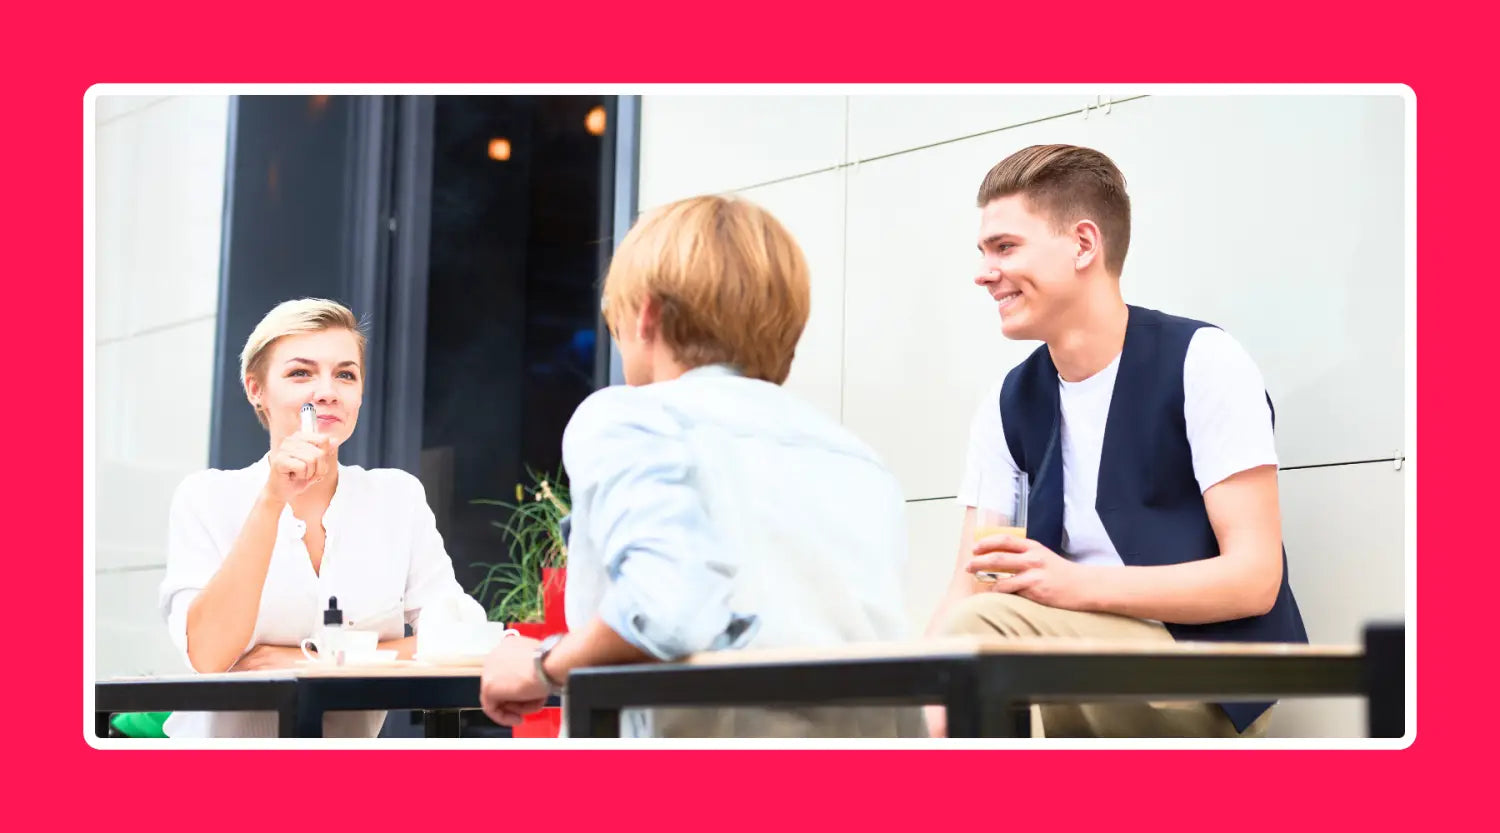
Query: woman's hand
[266, 657]
[298, 462]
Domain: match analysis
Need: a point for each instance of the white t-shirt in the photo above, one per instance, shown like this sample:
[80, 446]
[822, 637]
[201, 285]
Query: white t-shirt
[1228, 429]
[382, 557]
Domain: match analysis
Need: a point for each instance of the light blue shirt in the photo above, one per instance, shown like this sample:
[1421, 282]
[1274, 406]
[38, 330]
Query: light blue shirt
[716, 512]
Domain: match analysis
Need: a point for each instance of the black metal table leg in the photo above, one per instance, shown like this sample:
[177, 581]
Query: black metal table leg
[989, 718]
[1018, 721]
[1385, 680]
[308, 720]
[584, 720]
[969, 715]
[973, 713]
[604, 723]
[963, 715]
[442, 723]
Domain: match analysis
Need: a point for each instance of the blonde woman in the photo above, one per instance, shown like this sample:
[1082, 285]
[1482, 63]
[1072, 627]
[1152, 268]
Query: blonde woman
[254, 554]
[712, 510]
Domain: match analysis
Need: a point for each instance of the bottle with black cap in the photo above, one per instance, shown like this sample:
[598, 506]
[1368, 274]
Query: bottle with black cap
[330, 646]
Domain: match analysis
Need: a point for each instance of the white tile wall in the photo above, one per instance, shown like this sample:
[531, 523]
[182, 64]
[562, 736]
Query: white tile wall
[708, 144]
[116, 150]
[109, 399]
[131, 500]
[154, 406]
[1345, 530]
[161, 188]
[158, 205]
[933, 532]
[882, 124]
[130, 635]
[1279, 219]
[812, 209]
[110, 107]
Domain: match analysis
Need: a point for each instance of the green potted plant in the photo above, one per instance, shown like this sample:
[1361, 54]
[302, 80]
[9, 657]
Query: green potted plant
[526, 592]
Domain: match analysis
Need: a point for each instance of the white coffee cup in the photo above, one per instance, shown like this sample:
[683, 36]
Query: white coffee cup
[480, 637]
[332, 643]
[459, 639]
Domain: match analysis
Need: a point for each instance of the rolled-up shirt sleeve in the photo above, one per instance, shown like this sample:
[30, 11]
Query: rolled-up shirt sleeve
[192, 559]
[671, 577]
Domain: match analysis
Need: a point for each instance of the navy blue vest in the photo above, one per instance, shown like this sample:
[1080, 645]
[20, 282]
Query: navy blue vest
[1148, 497]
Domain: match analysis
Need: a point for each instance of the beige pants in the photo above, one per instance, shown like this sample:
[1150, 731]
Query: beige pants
[1004, 614]
[811, 722]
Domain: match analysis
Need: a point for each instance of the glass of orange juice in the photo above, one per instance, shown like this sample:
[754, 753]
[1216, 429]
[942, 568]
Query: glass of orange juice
[1001, 511]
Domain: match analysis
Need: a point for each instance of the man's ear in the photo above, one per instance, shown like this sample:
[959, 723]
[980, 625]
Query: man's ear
[1088, 242]
[648, 320]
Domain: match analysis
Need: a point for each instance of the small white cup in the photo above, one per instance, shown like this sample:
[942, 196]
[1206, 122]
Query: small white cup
[482, 637]
[458, 639]
[332, 643]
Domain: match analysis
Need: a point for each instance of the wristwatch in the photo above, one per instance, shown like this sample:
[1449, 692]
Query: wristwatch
[540, 657]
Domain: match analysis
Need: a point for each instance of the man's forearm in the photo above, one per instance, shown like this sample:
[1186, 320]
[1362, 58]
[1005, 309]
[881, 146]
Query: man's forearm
[594, 644]
[1215, 589]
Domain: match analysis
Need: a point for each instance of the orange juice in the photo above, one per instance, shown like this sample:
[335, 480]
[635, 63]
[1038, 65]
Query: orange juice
[983, 532]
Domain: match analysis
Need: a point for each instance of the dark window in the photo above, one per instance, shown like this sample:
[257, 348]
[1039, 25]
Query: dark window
[512, 304]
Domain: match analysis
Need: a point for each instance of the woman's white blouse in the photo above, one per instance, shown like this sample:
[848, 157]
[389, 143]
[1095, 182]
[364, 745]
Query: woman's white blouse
[382, 558]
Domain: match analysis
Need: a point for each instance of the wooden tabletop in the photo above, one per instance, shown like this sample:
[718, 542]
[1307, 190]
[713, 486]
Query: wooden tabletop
[981, 646]
[962, 646]
[405, 669]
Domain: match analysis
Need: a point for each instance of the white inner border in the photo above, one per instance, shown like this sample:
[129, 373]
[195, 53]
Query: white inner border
[90, 100]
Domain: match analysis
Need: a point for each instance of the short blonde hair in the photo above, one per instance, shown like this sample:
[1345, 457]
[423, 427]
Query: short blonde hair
[305, 315]
[730, 281]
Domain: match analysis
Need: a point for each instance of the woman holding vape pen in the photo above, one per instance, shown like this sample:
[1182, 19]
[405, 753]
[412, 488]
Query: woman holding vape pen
[254, 554]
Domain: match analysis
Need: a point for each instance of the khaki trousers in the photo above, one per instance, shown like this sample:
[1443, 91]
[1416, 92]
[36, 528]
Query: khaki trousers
[1008, 615]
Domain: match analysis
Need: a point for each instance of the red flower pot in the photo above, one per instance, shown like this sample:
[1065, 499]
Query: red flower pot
[545, 723]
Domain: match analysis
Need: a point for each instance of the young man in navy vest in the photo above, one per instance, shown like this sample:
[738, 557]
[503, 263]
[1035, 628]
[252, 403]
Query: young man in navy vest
[1147, 441]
